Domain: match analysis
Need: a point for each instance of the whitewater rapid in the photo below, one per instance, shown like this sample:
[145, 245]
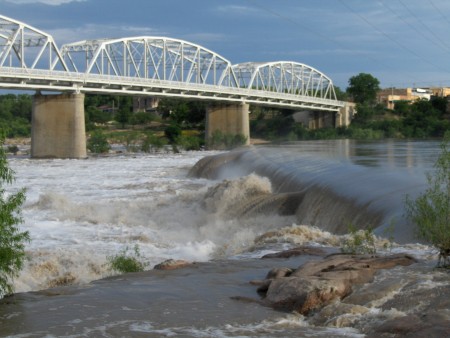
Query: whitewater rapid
[80, 212]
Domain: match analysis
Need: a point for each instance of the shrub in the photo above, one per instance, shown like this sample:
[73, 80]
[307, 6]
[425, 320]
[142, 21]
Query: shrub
[172, 132]
[12, 248]
[13, 149]
[142, 118]
[430, 211]
[98, 142]
[131, 141]
[125, 262]
[190, 142]
[359, 241]
[17, 127]
[152, 143]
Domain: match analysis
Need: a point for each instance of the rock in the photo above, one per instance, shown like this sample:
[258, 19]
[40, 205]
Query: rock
[279, 272]
[414, 326]
[318, 283]
[372, 292]
[305, 250]
[338, 315]
[400, 325]
[304, 294]
[263, 285]
[172, 264]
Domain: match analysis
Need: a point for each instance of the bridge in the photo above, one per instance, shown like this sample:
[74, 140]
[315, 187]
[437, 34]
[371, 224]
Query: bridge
[144, 66]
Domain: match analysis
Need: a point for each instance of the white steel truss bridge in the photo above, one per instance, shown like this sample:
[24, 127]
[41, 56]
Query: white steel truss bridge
[154, 66]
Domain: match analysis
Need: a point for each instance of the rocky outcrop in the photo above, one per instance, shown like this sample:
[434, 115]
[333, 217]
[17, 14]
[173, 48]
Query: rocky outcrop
[304, 250]
[172, 264]
[434, 324]
[317, 283]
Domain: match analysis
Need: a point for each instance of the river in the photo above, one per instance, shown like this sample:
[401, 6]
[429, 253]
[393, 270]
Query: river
[224, 214]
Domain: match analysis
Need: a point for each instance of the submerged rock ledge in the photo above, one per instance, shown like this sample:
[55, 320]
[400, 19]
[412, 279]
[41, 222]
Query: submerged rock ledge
[316, 284]
[342, 290]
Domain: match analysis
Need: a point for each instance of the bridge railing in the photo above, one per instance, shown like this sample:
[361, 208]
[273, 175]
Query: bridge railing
[73, 81]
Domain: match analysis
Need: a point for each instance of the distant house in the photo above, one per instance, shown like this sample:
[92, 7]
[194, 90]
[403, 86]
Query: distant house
[388, 97]
[106, 108]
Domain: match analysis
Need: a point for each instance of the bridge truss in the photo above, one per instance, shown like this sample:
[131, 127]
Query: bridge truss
[25, 47]
[152, 58]
[285, 77]
[154, 66]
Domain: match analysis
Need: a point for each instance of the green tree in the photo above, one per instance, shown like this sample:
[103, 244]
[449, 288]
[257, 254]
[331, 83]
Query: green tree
[440, 104]
[142, 118]
[6, 106]
[430, 211]
[98, 142]
[22, 107]
[423, 120]
[12, 240]
[172, 132]
[340, 94]
[402, 108]
[123, 116]
[363, 88]
[182, 111]
[96, 115]
[152, 143]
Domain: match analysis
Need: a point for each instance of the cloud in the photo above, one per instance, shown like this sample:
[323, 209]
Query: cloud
[45, 2]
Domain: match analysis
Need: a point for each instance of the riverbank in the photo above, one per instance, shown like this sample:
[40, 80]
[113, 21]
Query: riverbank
[22, 146]
[200, 300]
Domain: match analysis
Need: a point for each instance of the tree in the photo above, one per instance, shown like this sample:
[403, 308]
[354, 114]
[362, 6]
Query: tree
[431, 210]
[23, 106]
[98, 142]
[173, 133]
[340, 94]
[95, 115]
[12, 247]
[402, 108]
[123, 116]
[423, 120]
[439, 103]
[363, 88]
[181, 111]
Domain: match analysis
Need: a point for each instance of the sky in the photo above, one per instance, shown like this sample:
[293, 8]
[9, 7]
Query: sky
[403, 43]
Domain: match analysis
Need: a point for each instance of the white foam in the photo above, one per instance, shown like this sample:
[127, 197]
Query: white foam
[80, 212]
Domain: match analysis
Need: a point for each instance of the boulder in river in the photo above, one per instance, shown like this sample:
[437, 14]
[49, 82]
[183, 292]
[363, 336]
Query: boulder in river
[172, 264]
[318, 283]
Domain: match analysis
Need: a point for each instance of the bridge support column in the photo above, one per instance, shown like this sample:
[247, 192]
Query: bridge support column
[57, 129]
[228, 119]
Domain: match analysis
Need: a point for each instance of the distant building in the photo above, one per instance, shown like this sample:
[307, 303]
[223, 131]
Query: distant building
[440, 91]
[106, 108]
[145, 103]
[388, 97]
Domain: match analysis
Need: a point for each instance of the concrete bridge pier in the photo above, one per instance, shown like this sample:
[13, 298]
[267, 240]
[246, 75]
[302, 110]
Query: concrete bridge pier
[229, 119]
[57, 128]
